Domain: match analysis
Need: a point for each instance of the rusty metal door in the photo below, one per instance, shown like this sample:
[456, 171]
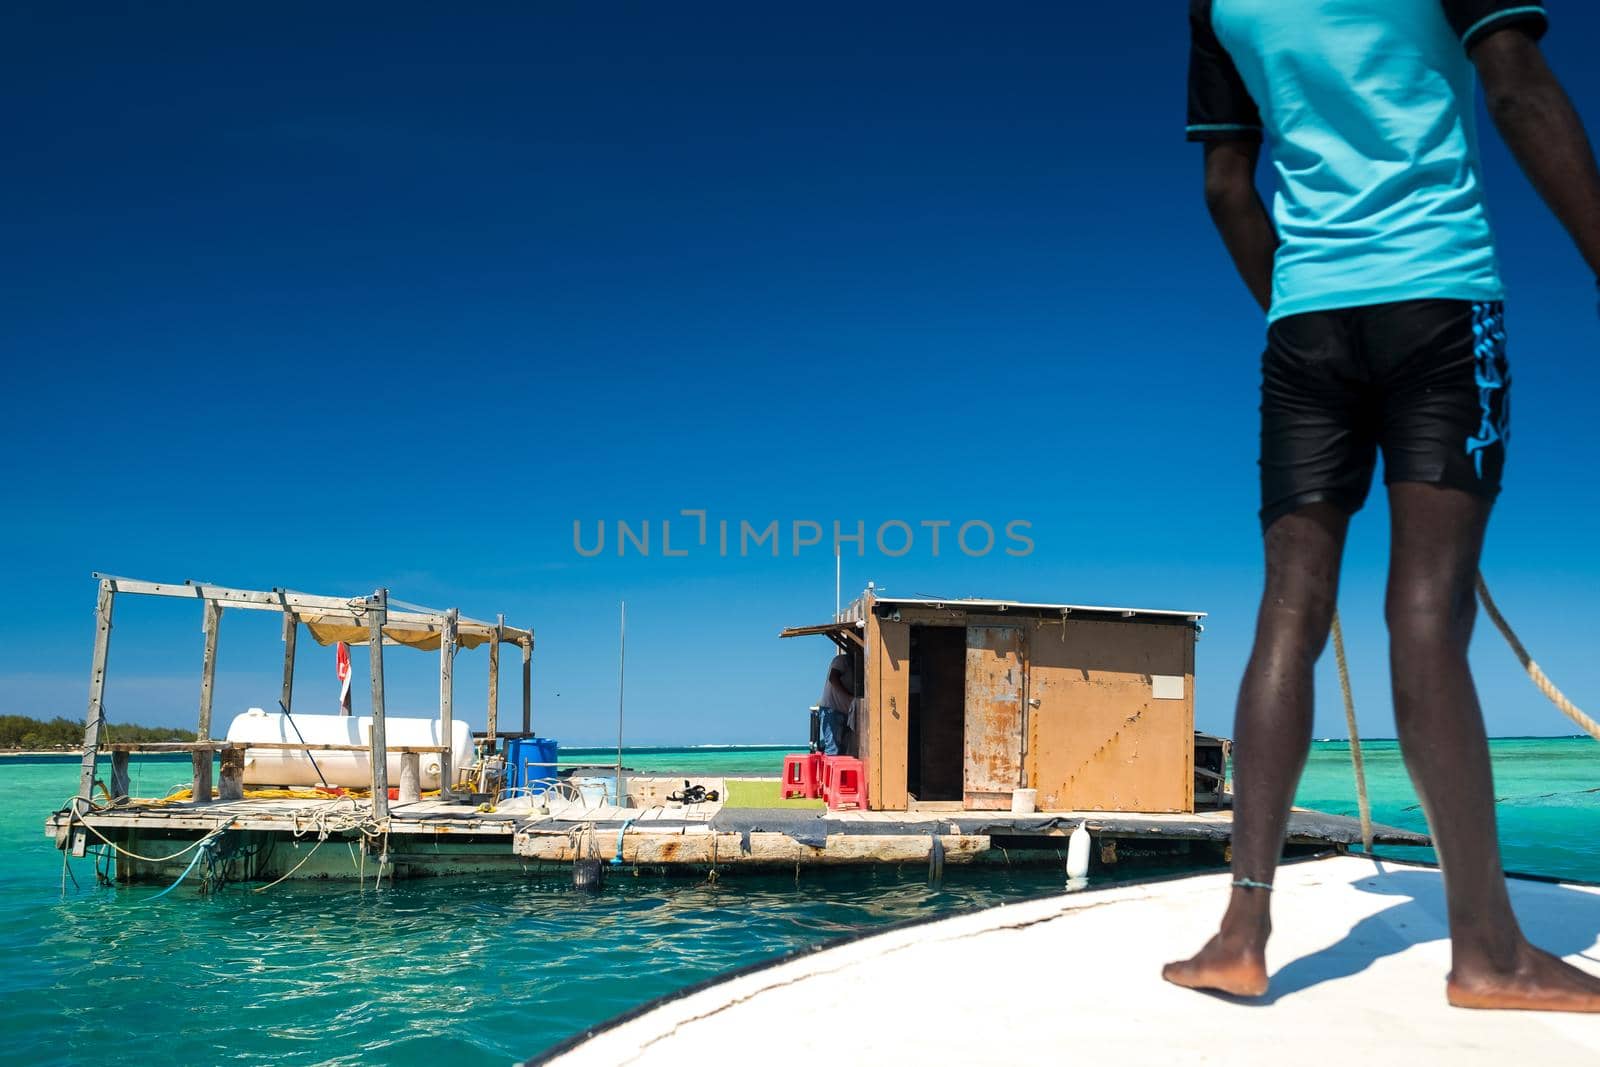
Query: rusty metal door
[993, 734]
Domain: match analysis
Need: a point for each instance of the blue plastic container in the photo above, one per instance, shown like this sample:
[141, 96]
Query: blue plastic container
[531, 763]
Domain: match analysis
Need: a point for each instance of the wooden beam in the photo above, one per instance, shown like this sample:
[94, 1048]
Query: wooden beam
[230, 786]
[291, 630]
[447, 658]
[377, 609]
[265, 746]
[304, 604]
[119, 777]
[410, 778]
[760, 848]
[490, 629]
[527, 687]
[301, 746]
[201, 788]
[269, 600]
[494, 687]
[95, 720]
[212, 613]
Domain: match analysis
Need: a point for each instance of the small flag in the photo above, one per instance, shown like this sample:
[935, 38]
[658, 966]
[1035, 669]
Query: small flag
[343, 671]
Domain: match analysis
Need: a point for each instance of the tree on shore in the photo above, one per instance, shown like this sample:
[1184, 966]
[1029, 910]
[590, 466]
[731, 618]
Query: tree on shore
[22, 732]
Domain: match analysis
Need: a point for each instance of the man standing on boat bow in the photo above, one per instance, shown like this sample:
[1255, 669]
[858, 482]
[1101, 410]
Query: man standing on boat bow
[1386, 330]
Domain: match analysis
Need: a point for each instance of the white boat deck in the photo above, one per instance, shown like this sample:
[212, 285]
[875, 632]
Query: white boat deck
[1358, 963]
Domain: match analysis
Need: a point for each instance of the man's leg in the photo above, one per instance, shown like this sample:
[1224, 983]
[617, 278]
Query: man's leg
[1436, 536]
[1272, 734]
[830, 732]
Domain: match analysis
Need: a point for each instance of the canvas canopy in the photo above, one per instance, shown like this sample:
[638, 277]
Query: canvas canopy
[327, 630]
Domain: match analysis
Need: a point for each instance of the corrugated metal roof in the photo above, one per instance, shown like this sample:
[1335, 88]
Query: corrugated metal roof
[973, 603]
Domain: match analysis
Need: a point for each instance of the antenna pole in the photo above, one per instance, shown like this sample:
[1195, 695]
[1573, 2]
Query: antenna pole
[622, 661]
[837, 569]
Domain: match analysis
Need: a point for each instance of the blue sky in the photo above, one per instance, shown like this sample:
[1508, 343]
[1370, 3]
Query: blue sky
[334, 298]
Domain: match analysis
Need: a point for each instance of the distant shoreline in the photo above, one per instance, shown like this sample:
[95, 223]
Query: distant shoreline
[580, 750]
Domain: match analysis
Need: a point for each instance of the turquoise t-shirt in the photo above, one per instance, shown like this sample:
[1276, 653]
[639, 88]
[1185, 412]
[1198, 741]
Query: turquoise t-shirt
[1367, 107]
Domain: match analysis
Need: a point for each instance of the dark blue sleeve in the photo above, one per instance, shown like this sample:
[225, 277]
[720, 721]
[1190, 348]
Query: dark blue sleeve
[1220, 108]
[1473, 20]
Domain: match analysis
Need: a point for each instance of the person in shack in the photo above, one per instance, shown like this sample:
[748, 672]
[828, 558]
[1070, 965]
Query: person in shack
[836, 708]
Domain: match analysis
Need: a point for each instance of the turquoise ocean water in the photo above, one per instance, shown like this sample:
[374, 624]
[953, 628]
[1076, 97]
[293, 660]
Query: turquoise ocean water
[488, 971]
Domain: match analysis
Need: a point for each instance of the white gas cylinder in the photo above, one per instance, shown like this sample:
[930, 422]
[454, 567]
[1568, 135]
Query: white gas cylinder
[265, 766]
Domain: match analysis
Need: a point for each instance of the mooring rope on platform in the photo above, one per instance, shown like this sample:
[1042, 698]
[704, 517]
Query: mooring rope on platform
[74, 815]
[201, 852]
[1363, 805]
[1540, 679]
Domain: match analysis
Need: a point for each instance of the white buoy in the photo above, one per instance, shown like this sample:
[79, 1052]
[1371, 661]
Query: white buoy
[1078, 853]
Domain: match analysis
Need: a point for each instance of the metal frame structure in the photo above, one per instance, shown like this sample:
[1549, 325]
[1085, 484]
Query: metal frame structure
[384, 624]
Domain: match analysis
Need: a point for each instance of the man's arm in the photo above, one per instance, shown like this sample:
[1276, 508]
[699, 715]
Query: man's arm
[843, 680]
[1240, 216]
[1542, 129]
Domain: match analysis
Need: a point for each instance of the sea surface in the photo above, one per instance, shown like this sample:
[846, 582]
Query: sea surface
[488, 971]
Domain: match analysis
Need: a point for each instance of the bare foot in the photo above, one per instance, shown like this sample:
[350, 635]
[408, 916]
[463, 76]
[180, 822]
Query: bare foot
[1539, 982]
[1228, 966]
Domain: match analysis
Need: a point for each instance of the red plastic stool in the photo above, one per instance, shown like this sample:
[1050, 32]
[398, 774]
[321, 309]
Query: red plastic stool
[844, 782]
[802, 776]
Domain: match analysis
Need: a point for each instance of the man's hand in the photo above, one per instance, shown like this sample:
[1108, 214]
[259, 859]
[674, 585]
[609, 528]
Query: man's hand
[1542, 129]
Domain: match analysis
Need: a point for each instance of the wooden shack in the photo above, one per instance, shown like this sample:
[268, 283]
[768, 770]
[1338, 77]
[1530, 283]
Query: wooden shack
[963, 702]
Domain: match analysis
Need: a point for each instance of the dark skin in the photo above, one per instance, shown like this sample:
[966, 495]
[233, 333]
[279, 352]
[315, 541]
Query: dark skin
[1538, 123]
[1436, 537]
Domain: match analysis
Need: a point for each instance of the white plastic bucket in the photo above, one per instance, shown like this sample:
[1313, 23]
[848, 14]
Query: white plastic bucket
[1024, 801]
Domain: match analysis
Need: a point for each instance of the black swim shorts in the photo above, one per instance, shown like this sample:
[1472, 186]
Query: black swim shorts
[1424, 380]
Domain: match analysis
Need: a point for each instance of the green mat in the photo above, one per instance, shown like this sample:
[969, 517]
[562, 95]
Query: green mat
[749, 793]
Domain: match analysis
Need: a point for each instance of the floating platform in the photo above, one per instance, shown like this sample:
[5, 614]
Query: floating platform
[1358, 960]
[265, 839]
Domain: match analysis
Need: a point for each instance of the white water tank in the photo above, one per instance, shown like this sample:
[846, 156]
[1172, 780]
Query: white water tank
[266, 766]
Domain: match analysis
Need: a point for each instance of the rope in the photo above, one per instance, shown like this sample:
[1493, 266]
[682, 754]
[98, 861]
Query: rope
[291, 870]
[182, 876]
[325, 819]
[1544, 684]
[1363, 805]
[383, 861]
[74, 815]
[617, 859]
[1540, 680]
